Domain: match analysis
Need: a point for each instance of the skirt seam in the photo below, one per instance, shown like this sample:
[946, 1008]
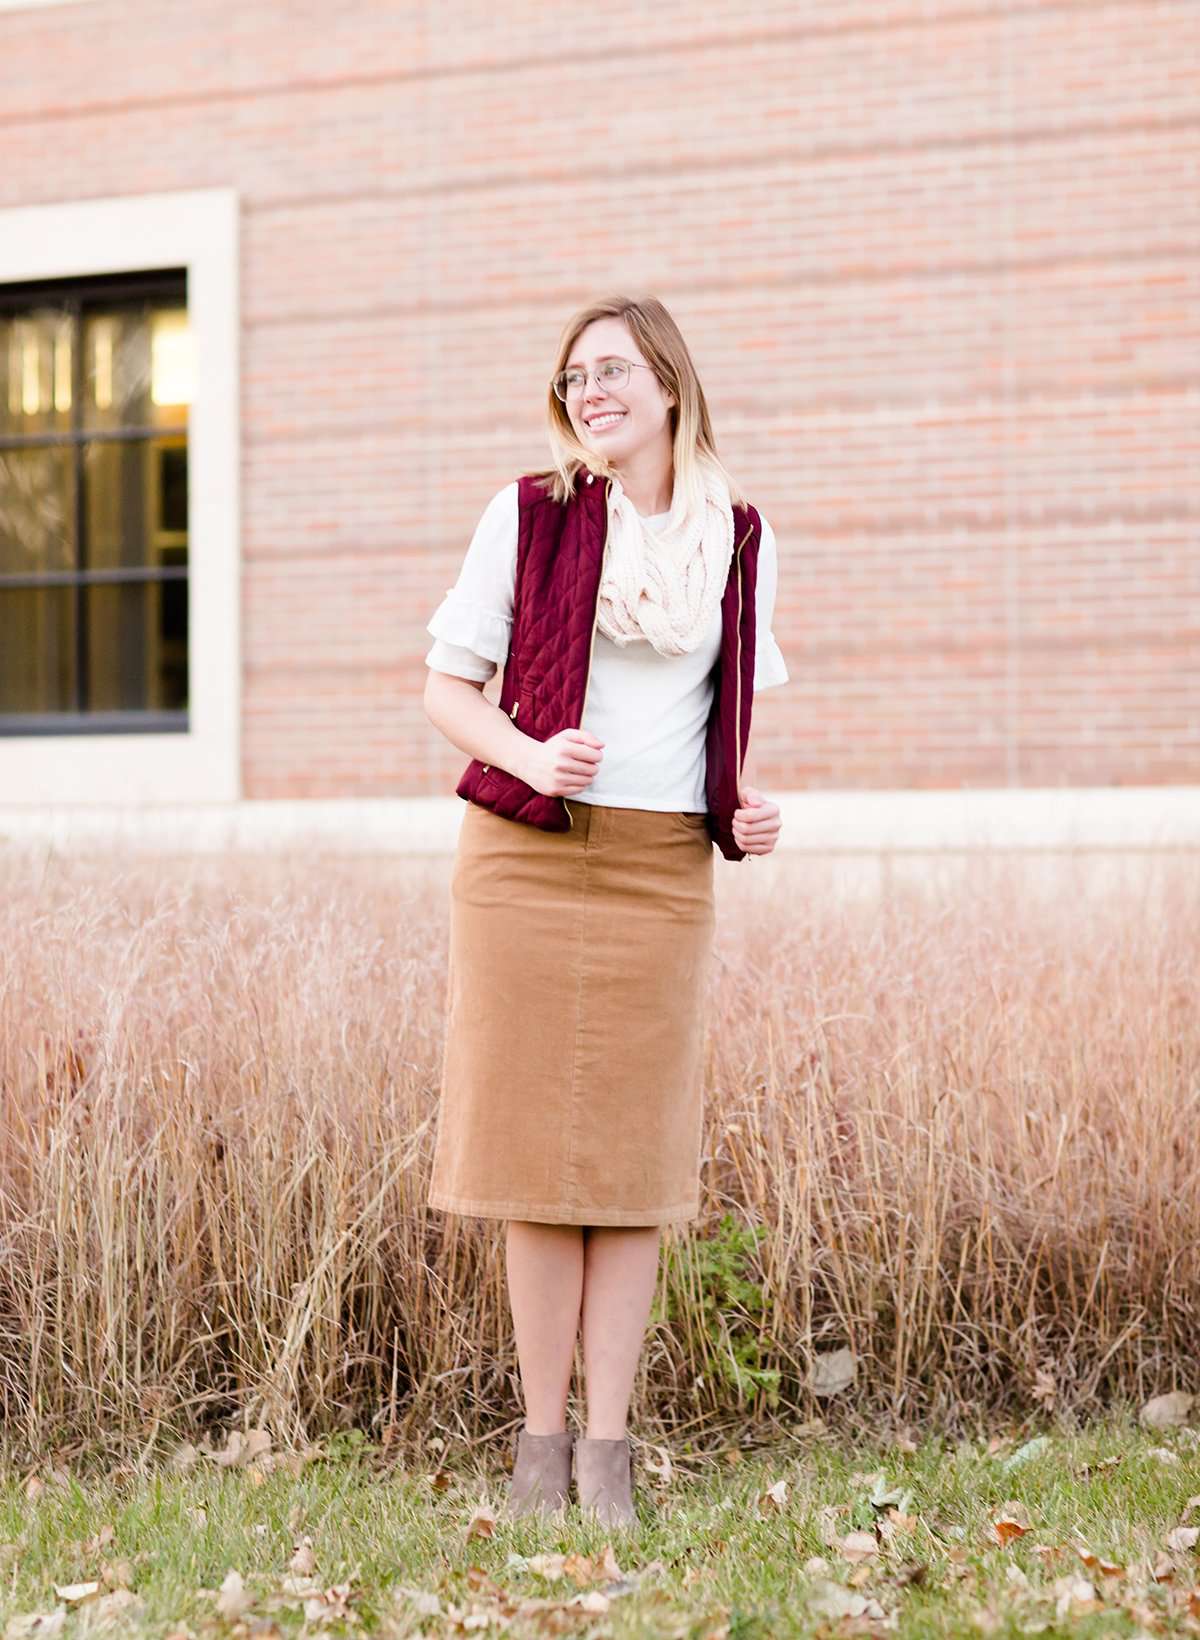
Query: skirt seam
[573, 1125]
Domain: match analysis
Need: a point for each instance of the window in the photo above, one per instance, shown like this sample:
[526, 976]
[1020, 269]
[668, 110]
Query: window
[95, 383]
[120, 597]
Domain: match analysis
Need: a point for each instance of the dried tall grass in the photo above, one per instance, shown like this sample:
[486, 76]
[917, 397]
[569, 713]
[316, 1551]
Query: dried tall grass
[965, 1117]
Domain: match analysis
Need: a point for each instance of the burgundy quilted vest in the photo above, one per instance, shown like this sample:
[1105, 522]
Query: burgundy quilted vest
[544, 684]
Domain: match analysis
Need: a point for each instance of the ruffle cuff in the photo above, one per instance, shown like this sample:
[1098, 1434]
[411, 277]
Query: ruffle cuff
[472, 626]
[459, 662]
[769, 665]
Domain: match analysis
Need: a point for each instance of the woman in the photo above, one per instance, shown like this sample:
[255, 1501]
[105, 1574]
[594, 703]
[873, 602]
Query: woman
[628, 592]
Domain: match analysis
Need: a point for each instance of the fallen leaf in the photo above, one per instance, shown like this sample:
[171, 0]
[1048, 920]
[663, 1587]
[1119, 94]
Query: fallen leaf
[1181, 1538]
[590, 1600]
[40, 1623]
[897, 1521]
[303, 1561]
[233, 1600]
[426, 1602]
[832, 1371]
[243, 1449]
[75, 1591]
[885, 1497]
[1074, 1596]
[330, 1603]
[1086, 1469]
[580, 1568]
[109, 1610]
[1094, 1563]
[1011, 1522]
[857, 1546]
[829, 1527]
[1166, 1411]
[835, 1600]
[482, 1522]
[810, 1427]
[663, 1469]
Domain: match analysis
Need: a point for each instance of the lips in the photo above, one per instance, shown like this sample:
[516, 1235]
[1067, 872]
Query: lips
[600, 424]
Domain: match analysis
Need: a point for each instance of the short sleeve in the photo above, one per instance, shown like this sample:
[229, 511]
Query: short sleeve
[769, 665]
[472, 625]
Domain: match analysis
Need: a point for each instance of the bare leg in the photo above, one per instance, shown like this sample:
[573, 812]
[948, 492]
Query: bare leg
[620, 1271]
[545, 1284]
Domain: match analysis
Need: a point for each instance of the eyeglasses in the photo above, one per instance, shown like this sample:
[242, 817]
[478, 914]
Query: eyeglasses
[610, 373]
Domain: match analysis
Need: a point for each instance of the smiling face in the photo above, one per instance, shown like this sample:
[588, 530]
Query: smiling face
[621, 422]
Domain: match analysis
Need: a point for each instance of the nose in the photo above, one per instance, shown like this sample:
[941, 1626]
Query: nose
[592, 389]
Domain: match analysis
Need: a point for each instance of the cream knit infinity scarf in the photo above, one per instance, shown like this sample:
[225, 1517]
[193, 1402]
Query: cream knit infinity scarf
[663, 584]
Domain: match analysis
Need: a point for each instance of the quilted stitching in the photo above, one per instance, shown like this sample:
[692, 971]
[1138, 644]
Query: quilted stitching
[559, 554]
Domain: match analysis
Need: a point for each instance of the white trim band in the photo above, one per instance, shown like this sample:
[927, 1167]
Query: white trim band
[196, 229]
[1104, 819]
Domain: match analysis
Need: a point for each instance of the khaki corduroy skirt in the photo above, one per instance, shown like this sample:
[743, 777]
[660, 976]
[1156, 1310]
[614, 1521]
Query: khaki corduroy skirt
[572, 1077]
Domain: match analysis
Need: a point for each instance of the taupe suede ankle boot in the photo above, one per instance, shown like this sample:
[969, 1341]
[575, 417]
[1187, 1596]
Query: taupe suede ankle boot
[604, 1476]
[541, 1477]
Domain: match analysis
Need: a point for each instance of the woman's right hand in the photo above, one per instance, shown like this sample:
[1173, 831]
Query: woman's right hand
[563, 765]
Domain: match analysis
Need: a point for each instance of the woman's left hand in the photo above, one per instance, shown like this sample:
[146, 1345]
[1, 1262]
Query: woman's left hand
[756, 826]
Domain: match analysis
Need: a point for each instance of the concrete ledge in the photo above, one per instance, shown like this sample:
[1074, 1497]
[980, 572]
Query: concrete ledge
[825, 822]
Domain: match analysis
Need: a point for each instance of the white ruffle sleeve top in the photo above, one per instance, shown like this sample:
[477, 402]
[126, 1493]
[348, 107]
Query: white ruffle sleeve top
[650, 710]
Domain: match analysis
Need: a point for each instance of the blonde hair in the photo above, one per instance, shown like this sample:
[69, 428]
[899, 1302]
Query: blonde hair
[665, 351]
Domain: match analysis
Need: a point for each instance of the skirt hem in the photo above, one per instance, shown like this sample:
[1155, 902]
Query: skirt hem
[557, 1213]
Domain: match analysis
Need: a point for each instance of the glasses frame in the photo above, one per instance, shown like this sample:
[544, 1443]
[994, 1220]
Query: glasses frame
[611, 358]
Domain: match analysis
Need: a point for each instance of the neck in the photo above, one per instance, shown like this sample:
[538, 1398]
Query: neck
[648, 477]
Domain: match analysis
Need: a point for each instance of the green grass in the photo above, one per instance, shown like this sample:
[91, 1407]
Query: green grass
[716, 1555]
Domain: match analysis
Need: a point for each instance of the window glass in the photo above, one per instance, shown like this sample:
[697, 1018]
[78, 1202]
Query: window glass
[96, 377]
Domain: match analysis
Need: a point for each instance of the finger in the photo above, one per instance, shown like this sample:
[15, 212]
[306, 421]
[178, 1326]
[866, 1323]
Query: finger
[753, 836]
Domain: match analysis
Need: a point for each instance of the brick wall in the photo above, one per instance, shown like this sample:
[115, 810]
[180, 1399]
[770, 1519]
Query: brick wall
[939, 266]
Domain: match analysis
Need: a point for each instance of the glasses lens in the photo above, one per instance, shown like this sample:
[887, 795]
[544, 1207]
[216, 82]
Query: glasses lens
[613, 373]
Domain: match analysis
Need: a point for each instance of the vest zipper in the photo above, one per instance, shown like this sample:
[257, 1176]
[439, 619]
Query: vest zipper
[737, 719]
[513, 715]
[592, 646]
